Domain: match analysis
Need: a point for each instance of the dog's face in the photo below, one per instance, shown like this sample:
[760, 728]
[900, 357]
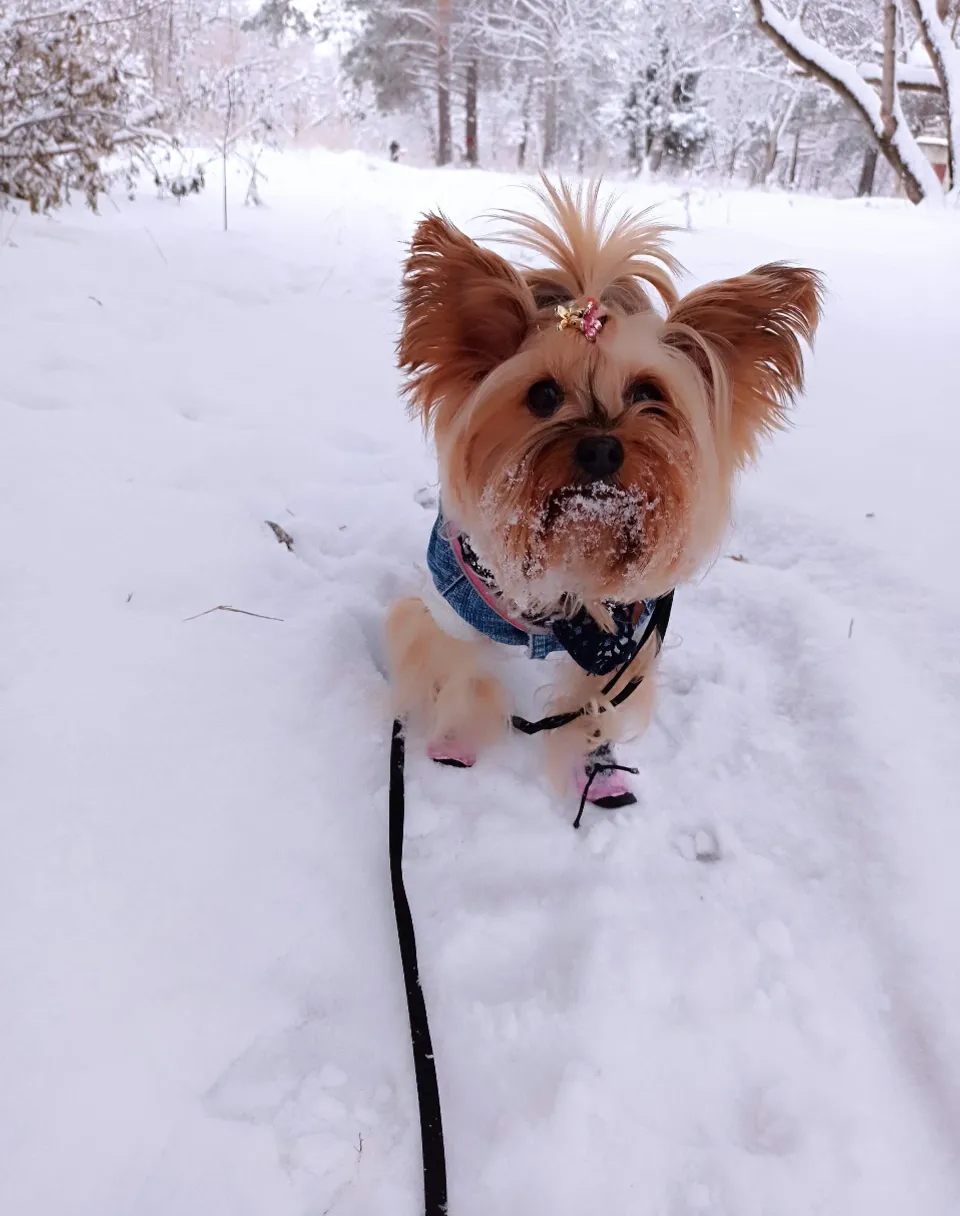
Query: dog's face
[595, 462]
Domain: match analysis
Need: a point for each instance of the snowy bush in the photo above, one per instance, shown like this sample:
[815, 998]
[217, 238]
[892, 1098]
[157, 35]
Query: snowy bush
[70, 99]
[685, 135]
[183, 183]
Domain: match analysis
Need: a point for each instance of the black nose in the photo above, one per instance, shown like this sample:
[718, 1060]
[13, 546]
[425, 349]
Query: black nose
[599, 455]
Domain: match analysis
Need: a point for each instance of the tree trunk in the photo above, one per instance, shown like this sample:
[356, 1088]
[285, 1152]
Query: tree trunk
[471, 108]
[774, 131]
[794, 158]
[227, 124]
[633, 129]
[525, 136]
[735, 146]
[444, 134]
[770, 151]
[170, 51]
[888, 79]
[869, 171]
[550, 122]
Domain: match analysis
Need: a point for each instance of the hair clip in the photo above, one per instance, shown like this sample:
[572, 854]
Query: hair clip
[588, 318]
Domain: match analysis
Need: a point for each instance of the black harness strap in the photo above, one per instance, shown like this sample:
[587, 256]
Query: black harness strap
[424, 1066]
[428, 1095]
[659, 620]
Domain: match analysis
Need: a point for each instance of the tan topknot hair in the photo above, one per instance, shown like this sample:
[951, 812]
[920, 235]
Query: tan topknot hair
[591, 252]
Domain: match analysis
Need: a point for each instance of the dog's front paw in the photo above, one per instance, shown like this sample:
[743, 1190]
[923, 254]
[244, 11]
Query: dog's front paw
[602, 781]
[453, 752]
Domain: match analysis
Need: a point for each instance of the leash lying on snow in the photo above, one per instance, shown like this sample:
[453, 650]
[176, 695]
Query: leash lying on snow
[424, 1066]
[428, 1096]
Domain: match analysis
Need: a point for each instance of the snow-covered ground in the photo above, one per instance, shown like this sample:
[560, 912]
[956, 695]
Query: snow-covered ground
[201, 1009]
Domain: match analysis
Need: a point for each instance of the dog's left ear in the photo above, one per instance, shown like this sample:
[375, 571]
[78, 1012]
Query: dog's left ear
[749, 330]
[465, 310]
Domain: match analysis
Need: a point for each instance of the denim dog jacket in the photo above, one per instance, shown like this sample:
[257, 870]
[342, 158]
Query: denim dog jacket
[470, 592]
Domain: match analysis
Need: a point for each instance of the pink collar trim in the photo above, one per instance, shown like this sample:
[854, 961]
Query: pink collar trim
[493, 602]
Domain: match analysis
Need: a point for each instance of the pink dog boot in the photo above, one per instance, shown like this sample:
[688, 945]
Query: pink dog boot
[453, 752]
[600, 781]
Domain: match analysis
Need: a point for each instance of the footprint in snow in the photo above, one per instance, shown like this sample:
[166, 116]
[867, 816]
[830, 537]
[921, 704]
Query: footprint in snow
[701, 845]
[426, 498]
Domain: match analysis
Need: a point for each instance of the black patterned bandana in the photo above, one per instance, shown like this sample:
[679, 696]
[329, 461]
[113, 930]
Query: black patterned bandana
[597, 650]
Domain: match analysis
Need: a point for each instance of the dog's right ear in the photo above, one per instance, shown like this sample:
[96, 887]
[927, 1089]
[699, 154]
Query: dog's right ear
[465, 310]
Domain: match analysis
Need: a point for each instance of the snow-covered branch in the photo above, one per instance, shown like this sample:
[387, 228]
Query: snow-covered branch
[894, 137]
[945, 58]
[909, 76]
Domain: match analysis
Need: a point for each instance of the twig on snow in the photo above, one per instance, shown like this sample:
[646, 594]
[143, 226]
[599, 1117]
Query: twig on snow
[226, 608]
[156, 245]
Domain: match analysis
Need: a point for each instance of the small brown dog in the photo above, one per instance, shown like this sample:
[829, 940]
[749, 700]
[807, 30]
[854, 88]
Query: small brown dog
[588, 447]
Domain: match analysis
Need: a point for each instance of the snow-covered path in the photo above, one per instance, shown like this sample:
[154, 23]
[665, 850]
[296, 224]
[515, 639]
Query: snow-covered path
[738, 1000]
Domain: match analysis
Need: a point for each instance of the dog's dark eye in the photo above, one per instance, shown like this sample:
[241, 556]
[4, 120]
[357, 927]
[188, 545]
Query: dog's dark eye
[544, 398]
[642, 391]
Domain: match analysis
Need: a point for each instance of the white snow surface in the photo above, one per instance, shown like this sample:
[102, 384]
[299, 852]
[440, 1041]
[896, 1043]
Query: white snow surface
[737, 999]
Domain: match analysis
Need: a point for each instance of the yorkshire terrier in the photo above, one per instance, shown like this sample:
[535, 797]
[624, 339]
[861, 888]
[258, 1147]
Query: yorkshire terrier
[588, 444]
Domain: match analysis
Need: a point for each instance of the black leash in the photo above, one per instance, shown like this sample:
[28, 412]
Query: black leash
[424, 1065]
[428, 1095]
